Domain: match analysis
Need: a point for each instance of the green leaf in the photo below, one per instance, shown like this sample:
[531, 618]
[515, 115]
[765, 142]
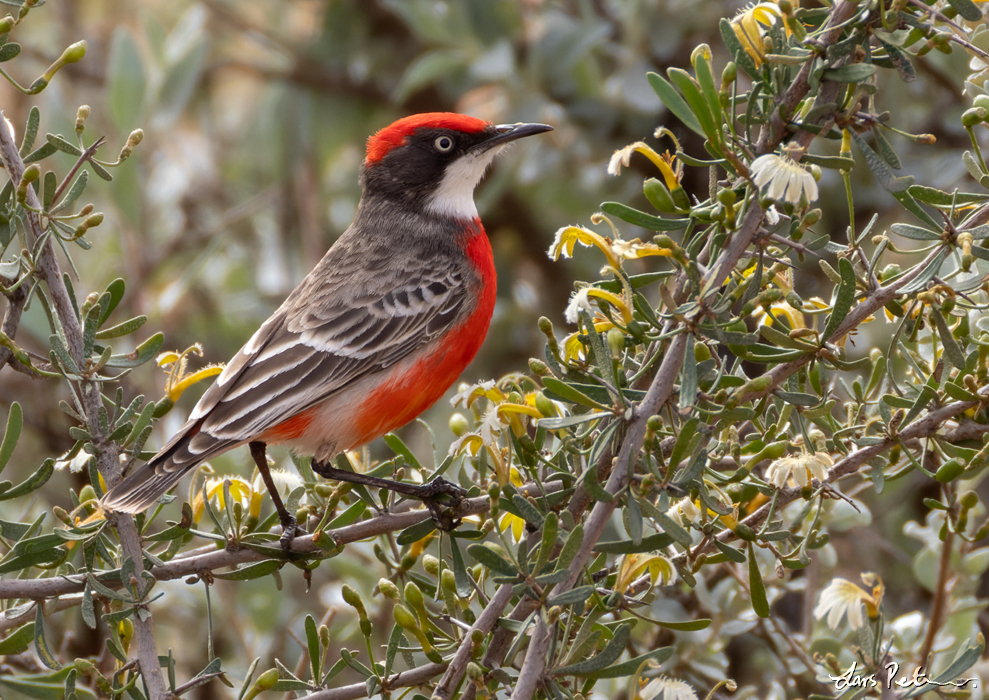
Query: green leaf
[488, 555]
[125, 79]
[757, 590]
[250, 571]
[15, 419]
[570, 547]
[122, 329]
[676, 104]
[529, 512]
[844, 299]
[698, 105]
[416, 532]
[40, 644]
[967, 9]
[966, 657]
[927, 274]
[42, 152]
[952, 352]
[640, 218]
[570, 421]
[880, 170]
[9, 51]
[916, 233]
[460, 576]
[648, 544]
[566, 392]
[62, 145]
[394, 640]
[116, 290]
[730, 552]
[851, 73]
[400, 448]
[144, 352]
[17, 641]
[312, 643]
[31, 130]
[571, 597]
[603, 659]
[593, 485]
[627, 668]
[32, 483]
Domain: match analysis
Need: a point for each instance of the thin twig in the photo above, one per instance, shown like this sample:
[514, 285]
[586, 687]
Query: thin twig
[485, 622]
[405, 679]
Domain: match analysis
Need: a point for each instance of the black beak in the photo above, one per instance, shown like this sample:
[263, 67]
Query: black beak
[504, 133]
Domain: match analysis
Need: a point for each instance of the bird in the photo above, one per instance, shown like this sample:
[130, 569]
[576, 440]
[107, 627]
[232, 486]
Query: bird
[378, 331]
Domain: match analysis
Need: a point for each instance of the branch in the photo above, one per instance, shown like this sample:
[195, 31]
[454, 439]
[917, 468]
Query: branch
[405, 679]
[108, 461]
[11, 320]
[485, 623]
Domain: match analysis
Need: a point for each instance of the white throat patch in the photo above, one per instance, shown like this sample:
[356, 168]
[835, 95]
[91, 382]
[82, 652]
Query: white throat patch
[455, 195]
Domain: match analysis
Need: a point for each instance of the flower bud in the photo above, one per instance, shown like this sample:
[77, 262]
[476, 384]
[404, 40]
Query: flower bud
[973, 117]
[82, 114]
[538, 367]
[405, 618]
[969, 499]
[352, 598]
[729, 74]
[413, 596]
[431, 564]
[388, 589]
[6, 24]
[544, 405]
[459, 425]
[449, 581]
[86, 210]
[616, 342]
[135, 138]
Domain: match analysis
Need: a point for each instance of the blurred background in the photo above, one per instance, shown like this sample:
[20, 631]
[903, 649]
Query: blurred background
[255, 114]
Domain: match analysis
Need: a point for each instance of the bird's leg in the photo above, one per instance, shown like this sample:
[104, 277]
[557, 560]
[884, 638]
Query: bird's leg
[427, 493]
[290, 527]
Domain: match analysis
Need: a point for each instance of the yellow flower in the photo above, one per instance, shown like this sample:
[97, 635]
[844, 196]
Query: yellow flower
[569, 236]
[781, 178]
[660, 569]
[668, 167]
[178, 381]
[748, 24]
[842, 598]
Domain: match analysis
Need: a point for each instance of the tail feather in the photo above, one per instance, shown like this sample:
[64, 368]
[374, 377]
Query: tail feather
[140, 489]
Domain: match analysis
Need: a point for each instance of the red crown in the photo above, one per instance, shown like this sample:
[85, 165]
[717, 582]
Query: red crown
[394, 135]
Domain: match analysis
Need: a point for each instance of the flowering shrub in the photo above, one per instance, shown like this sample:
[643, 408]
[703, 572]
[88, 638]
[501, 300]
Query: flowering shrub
[679, 467]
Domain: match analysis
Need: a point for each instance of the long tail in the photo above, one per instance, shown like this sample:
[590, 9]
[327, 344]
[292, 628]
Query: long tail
[145, 485]
[140, 489]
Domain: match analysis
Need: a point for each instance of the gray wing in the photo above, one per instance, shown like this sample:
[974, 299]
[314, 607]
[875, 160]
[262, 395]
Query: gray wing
[330, 332]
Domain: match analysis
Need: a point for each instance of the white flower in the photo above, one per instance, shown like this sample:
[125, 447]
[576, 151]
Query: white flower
[842, 598]
[781, 178]
[623, 157]
[284, 480]
[802, 467]
[684, 509]
[579, 301]
[76, 464]
[666, 688]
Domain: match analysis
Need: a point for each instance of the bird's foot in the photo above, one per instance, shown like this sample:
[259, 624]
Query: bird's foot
[290, 530]
[441, 497]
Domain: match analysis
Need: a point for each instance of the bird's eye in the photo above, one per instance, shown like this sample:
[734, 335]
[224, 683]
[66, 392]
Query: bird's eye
[443, 144]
